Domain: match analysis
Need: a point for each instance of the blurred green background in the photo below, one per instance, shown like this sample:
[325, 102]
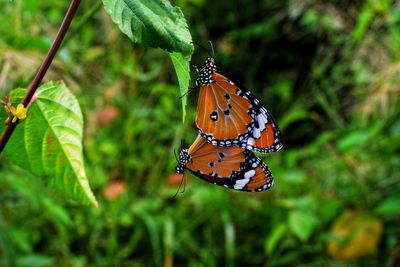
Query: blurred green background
[329, 72]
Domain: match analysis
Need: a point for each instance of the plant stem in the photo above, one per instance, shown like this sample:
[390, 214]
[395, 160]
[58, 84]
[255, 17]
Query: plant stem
[76, 28]
[43, 68]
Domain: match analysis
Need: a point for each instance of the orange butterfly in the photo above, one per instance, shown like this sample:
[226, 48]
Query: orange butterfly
[231, 167]
[231, 116]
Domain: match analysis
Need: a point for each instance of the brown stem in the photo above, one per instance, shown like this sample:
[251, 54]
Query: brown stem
[43, 68]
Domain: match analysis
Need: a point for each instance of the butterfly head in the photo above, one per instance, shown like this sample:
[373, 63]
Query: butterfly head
[184, 158]
[205, 74]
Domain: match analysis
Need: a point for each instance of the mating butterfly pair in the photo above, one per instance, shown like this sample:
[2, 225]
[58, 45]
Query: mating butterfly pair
[231, 122]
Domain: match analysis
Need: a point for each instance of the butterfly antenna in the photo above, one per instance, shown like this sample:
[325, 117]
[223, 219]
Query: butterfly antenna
[191, 88]
[180, 185]
[194, 67]
[184, 178]
[212, 48]
[176, 157]
[187, 92]
[206, 50]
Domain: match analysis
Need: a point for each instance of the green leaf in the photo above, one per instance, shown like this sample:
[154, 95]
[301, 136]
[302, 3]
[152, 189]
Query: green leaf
[364, 18]
[35, 260]
[274, 237]
[296, 113]
[151, 224]
[389, 206]
[328, 209]
[152, 23]
[48, 142]
[302, 223]
[182, 70]
[353, 139]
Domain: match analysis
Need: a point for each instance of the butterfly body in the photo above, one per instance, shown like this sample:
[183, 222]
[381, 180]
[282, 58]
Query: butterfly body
[231, 116]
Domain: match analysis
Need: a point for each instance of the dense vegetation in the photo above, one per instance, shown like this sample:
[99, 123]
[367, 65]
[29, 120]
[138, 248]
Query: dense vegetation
[327, 70]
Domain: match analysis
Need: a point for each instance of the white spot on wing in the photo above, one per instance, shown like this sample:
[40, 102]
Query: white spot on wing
[249, 174]
[250, 143]
[240, 184]
[256, 133]
[262, 120]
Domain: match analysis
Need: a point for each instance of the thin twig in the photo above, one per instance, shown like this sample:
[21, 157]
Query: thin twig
[43, 68]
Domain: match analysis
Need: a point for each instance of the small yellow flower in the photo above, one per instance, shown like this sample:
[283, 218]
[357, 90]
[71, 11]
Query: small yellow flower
[18, 113]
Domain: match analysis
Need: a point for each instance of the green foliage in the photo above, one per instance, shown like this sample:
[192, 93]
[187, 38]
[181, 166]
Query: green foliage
[271, 242]
[389, 206]
[156, 24]
[152, 23]
[182, 71]
[302, 223]
[48, 142]
[326, 71]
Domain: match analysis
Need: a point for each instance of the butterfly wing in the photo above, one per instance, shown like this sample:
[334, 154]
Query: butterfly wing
[212, 160]
[254, 177]
[222, 114]
[265, 136]
[228, 115]
[231, 167]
